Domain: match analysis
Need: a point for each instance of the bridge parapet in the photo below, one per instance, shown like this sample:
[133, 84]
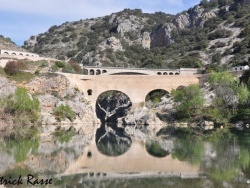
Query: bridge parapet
[118, 70]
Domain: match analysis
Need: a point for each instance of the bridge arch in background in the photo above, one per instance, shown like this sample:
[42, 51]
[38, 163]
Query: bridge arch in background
[98, 72]
[154, 97]
[91, 72]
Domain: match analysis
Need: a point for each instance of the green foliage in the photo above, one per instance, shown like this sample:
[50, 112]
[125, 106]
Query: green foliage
[219, 33]
[230, 94]
[63, 112]
[63, 135]
[189, 62]
[189, 101]
[23, 107]
[188, 147]
[154, 148]
[156, 95]
[65, 39]
[60, 64]
[216, 58]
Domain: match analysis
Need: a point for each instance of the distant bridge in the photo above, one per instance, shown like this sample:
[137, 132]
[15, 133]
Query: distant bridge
[17, 53]
[91, 70]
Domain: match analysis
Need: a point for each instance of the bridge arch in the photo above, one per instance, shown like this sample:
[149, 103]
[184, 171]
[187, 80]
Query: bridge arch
[13, 53]
[6, 53]
[154, 96]
[104, 71]
[98, 72]
[91, 72]
[112, 104]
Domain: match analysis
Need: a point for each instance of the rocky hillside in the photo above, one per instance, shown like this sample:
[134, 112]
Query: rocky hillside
[214, 33]
[7, 44]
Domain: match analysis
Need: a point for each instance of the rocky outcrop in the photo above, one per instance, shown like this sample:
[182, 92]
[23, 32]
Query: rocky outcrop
[146, 40]
[111, 43]
[54, 90]
[162, 36]
[195, 17]
[6, 87]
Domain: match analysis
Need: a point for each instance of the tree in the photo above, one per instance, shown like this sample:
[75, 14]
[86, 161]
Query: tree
[14, 67]
[189, 101]
[230, 93]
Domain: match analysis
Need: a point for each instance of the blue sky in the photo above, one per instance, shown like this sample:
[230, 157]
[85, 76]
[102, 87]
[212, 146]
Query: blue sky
[22, 18]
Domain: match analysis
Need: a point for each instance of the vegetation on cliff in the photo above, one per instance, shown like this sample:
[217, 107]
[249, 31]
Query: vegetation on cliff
[230, 104]
[214, 32]
[22, 107]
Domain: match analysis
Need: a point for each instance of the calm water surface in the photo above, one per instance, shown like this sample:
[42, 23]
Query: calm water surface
[218, 159]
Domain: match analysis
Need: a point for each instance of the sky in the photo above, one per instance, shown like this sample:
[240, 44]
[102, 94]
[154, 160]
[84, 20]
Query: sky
[21, 19]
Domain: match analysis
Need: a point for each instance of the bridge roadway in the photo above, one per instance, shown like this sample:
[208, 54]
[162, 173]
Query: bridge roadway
[136, 87]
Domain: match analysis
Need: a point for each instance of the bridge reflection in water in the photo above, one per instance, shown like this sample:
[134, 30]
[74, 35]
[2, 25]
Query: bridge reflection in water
[135, 160]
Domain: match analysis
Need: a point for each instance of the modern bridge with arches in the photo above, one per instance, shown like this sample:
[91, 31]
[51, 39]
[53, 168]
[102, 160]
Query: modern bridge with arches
[91, 70]
[136, 87]
[17, 53]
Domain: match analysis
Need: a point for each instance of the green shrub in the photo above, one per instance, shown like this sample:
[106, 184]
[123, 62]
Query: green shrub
[63, 135]
[22, 107]
[63, 112]
[219, 33]
[60, 64]
[153, 148]
[14, 67]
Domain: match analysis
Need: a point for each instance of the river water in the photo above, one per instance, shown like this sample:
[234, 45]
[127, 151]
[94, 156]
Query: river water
[217, 159]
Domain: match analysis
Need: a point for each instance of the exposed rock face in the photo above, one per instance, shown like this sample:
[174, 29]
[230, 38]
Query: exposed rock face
[146, 40]
[161, 37]
[6, 87]
[195, 17]
[111, 43]
[54, 90]
[31, 41]
[124, 24]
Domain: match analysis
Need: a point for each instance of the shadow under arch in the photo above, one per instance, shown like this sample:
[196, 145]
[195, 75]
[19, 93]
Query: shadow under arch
[111, 138]
[154, 97]
[111, 105]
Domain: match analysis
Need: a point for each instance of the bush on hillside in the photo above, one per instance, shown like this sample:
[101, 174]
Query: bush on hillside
[14, 67]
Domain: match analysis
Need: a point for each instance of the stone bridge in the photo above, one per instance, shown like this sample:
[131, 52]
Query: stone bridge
[136, 87]
[17, 53]
[141, 71]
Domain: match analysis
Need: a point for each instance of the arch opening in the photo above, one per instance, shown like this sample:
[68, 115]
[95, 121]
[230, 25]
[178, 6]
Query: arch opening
[6, 53]
[91, 72]
[13, 54]
[21, 54]
[128, 73]
[165, 73]
[104, 71]
[98, 72]
[171, 73]
[111, 139]
[159, 73]
[156, 98]
[89, 91]
[177, 73]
